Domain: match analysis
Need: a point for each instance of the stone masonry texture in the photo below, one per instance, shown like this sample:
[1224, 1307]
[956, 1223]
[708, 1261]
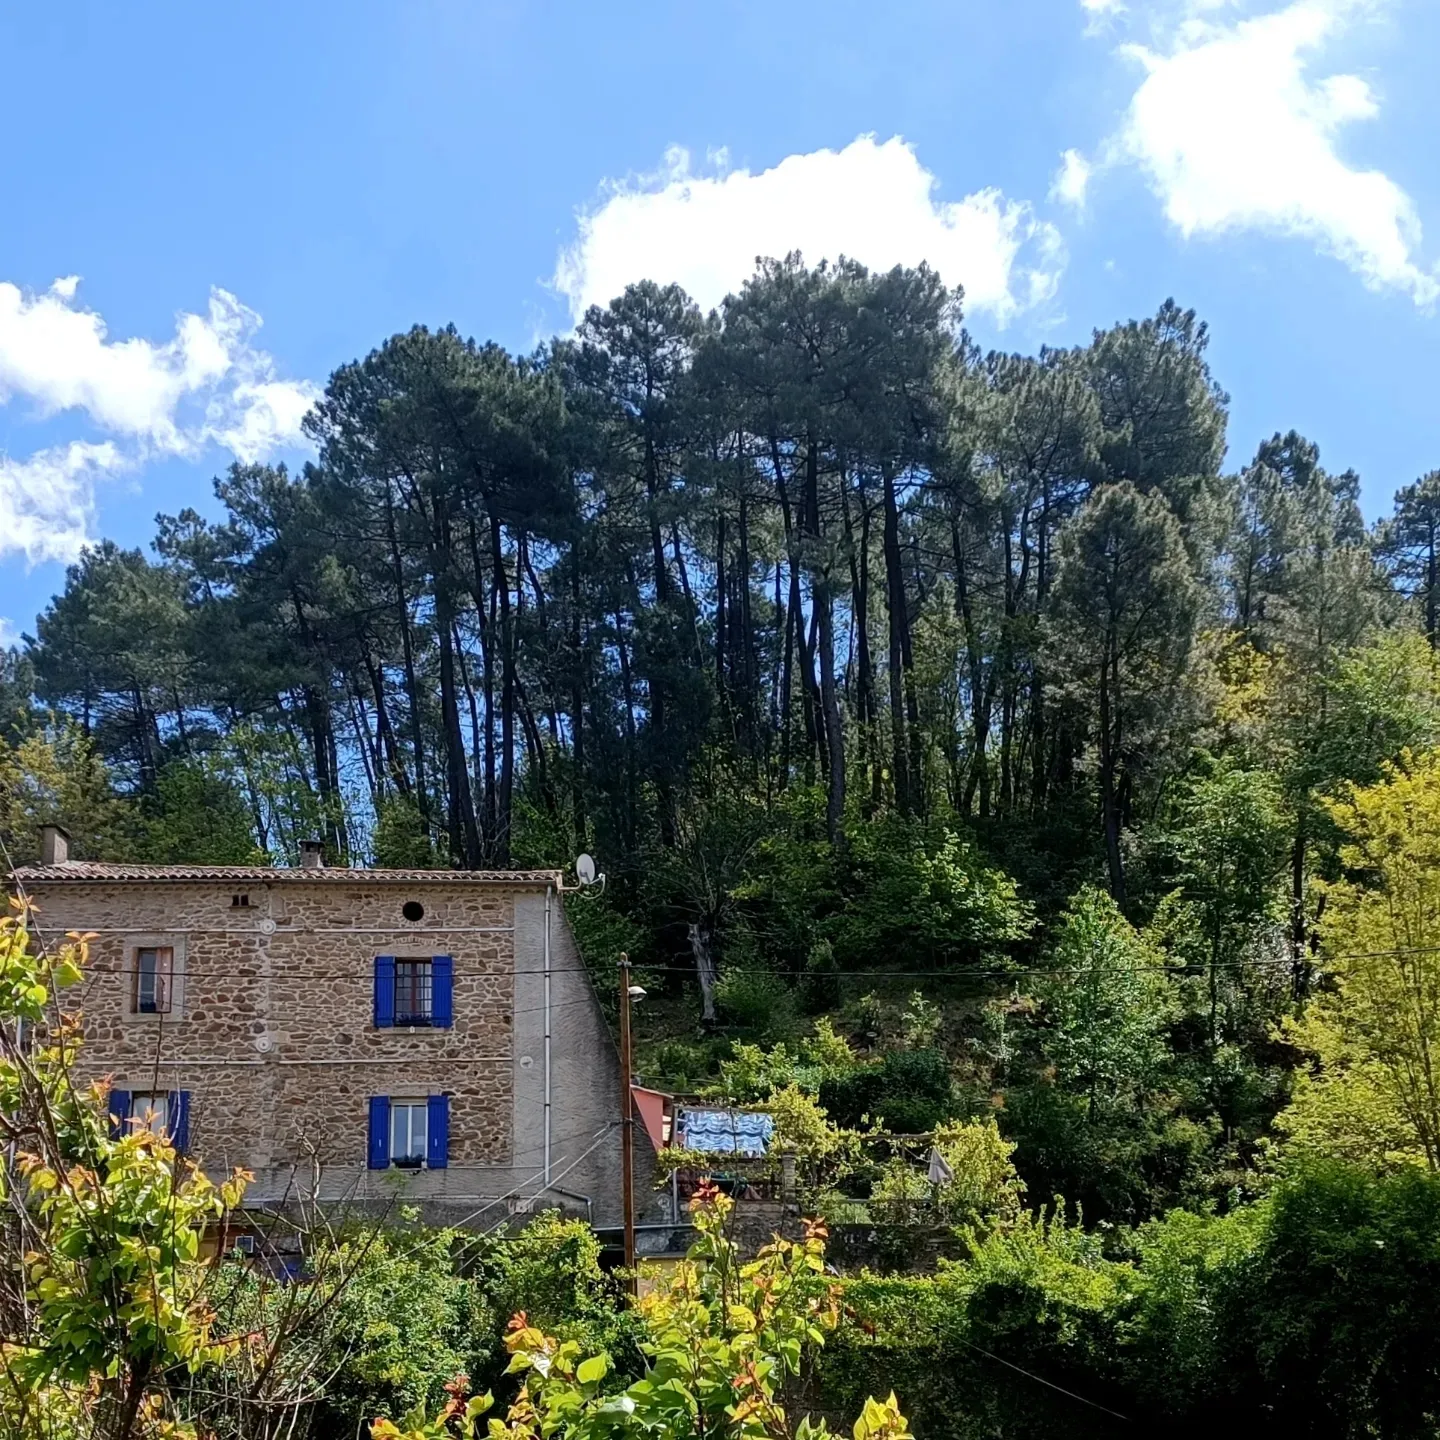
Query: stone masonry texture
[272, 1033]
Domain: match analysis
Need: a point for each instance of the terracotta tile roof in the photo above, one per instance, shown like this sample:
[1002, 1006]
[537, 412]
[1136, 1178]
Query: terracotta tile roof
[105, 870]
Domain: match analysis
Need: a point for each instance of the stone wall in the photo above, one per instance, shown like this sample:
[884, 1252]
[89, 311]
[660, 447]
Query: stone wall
[272, 1034]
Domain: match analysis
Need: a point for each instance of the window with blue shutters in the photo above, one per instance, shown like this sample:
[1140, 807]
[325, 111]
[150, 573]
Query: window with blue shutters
[165, 1112]
[413, 991]
[442, 984]
[379, 1132]
[384, 991]
[119, 1106]
[437, 1152]
[409, 1133]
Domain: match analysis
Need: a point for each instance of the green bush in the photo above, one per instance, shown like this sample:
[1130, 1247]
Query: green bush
[1119, 1166]
[418, 1307]
[1340, 1304]
[401, 1327]
[910, 1091]
[758, 1001]
[1313, 1313]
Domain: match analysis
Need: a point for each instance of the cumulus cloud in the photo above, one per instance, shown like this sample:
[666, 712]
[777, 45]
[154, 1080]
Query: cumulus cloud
[47, 500]
[871, 201]
[1234, 131]
[1072, 179]
[206, 385]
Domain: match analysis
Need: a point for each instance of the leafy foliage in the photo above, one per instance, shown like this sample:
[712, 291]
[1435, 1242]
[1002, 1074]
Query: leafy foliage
[720, 1339]
[1374, 1035]
[109, 1294]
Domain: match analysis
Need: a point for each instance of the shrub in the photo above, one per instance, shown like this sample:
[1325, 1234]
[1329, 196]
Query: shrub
[758, 1001]
[909, 1091]
[1340, 1303]
[719, 1339]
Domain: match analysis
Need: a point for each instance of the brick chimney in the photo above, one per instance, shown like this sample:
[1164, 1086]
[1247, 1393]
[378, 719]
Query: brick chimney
[312, 854]
[54, 845]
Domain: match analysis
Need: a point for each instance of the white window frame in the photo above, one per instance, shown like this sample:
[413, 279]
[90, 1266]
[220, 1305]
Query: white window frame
[150, 1110]
[410, 1104]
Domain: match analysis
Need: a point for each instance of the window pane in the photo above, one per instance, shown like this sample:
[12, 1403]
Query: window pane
[407, 1131]
[152, 980]
[412, 992]
[145, 980]
[151, 1112]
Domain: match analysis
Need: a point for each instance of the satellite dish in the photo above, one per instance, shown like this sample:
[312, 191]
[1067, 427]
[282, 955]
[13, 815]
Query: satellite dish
[585, 870]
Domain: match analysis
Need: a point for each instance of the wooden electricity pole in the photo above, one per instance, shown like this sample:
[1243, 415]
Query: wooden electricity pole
[627, 1124]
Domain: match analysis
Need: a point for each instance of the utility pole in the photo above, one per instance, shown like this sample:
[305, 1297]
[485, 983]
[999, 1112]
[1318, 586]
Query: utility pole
[627, 1123]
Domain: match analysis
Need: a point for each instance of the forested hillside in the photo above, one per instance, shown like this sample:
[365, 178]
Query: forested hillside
[864, 662]
[981, 756]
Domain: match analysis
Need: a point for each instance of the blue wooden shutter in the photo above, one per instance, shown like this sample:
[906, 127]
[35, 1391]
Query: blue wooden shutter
[119, 1107]
[437, 1132]
[384, 991]
[179, 1107]
[442, 981]
[379, 1132]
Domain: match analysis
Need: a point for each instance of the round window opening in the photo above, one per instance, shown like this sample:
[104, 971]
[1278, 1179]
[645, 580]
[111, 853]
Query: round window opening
[413, 911]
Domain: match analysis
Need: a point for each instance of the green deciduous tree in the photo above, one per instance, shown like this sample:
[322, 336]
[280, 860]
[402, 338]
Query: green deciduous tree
[1375, 1091]
[1107, 1007]
[56, 776]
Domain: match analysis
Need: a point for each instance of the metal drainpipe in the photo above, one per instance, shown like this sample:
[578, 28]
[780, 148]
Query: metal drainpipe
[588, 1202]
[548, 892]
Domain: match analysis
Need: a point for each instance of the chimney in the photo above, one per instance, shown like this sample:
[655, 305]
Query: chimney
[54, 845]
[312, 854]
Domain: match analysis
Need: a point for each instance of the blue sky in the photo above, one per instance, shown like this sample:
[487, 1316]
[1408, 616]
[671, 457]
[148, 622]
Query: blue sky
[250, 196]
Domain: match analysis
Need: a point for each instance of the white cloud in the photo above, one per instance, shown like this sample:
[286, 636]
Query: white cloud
[9, 635]
[1071, 180]
[260, 416]
[206, 385]
[1234, 133]
[871, 201]
[1103, 7]
[47, 501]
[58, 355]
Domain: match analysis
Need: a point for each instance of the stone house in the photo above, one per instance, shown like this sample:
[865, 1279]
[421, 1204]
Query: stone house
[353, 1036]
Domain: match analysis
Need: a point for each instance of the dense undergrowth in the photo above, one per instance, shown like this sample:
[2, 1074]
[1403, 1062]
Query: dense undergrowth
[1314, 1310]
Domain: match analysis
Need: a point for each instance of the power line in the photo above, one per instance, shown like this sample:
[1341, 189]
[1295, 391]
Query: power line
[1041, 1380]
[285, 971]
